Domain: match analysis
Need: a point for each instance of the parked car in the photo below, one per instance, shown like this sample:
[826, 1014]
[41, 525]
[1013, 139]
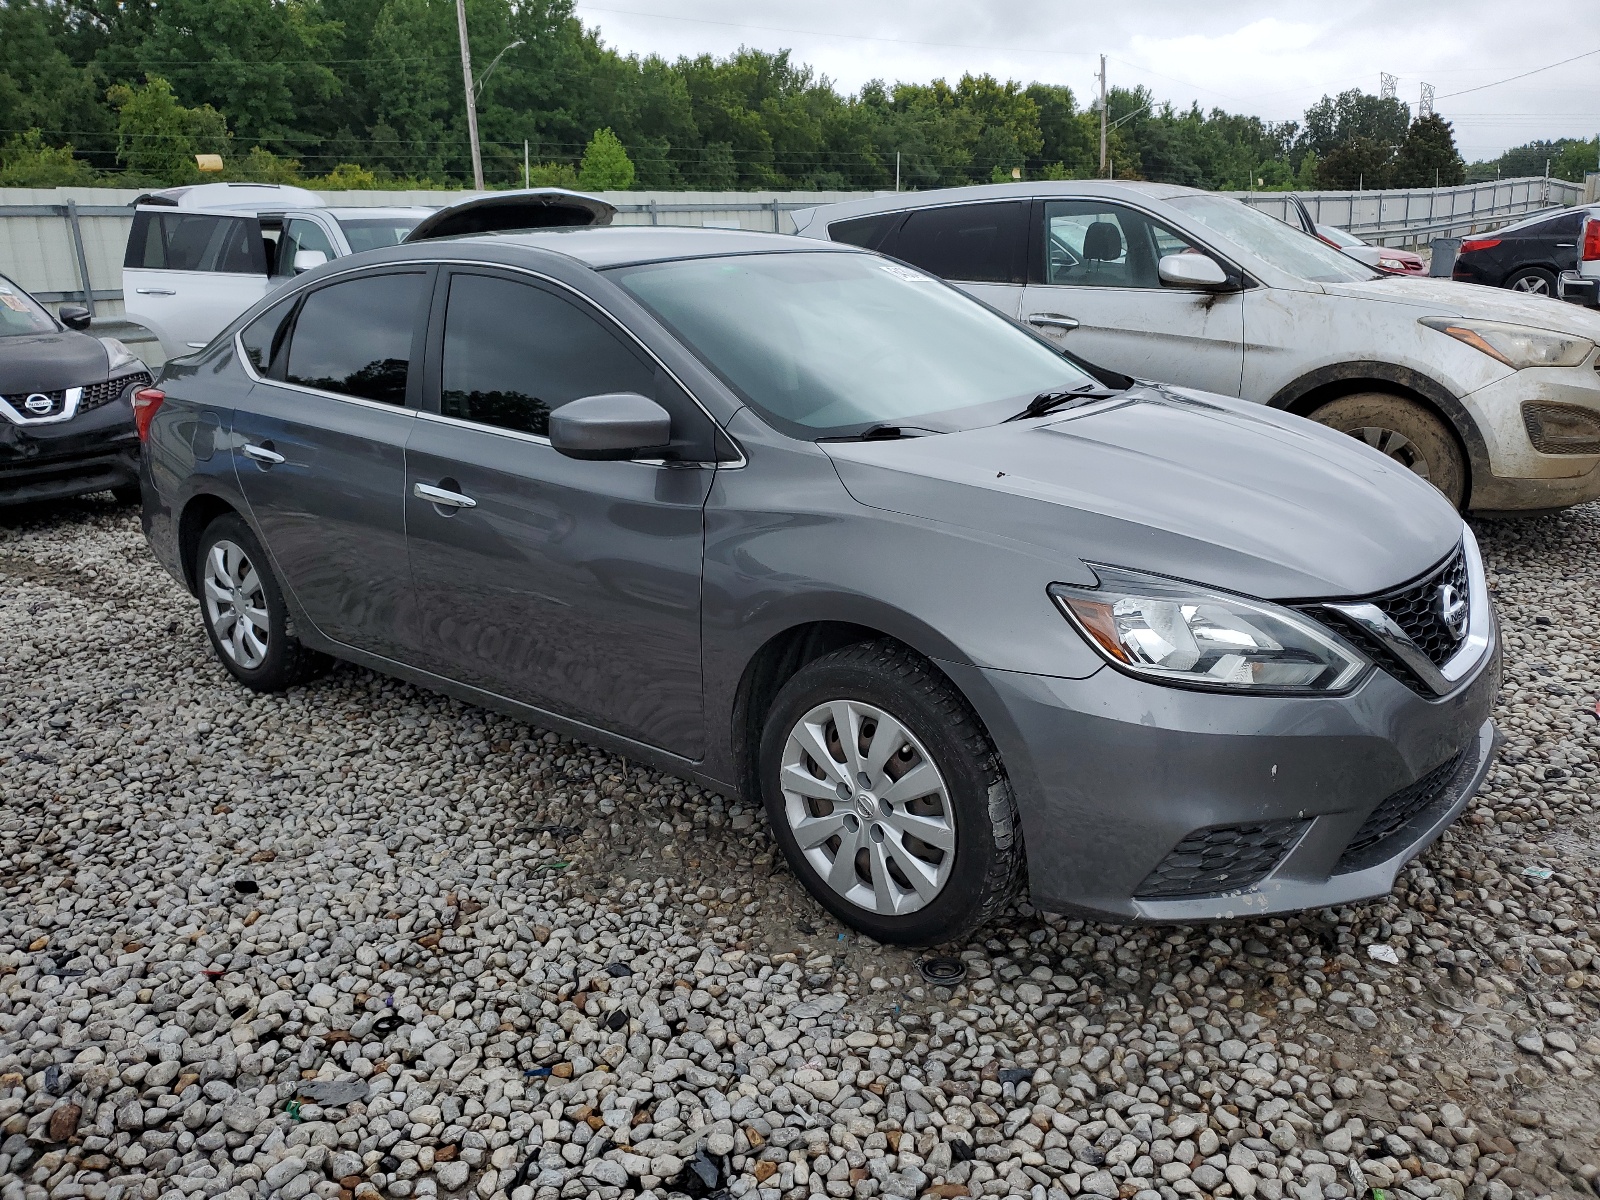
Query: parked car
[815, 529]
[66, 425]
[1390, 259]
[1582, 284]
[1160, 282]
[199, 256]
[1528, 256]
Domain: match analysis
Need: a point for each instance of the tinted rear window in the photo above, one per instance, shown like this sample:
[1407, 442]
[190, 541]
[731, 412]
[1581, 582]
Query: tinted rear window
[169, 241]
[973, 243]
[355, 337]
[866, 232]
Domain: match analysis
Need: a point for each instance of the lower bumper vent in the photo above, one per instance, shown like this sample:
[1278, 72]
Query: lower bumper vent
[1394, 814]
[1223, 858]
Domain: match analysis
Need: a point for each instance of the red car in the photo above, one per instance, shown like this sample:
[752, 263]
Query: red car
[1383, 258]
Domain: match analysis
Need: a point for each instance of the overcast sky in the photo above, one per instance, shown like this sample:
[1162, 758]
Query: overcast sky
[1270, 58]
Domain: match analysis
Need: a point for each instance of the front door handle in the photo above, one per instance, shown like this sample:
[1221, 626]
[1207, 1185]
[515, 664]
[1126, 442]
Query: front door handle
[439, 495]
[155, 291]
[1052, 321]
[262, 454]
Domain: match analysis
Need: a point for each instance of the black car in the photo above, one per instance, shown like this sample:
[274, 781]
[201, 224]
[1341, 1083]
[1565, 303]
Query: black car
[66, 405]
[1527, 256]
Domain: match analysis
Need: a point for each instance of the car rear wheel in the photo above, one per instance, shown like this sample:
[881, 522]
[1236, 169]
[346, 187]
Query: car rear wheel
[244, 613]
[1536, 281]
[888, 798]
[1405, 430]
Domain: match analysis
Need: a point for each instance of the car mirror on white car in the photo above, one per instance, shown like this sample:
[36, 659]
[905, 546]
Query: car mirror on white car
[305, 260]
[615, 425]
[1191, 270]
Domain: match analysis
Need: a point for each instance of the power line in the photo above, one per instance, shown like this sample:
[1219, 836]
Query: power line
[1524, 75]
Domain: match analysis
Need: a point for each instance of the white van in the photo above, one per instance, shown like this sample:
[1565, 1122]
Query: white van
[199, 256]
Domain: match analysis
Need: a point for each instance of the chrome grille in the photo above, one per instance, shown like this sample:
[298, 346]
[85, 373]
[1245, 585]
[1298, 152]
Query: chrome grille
[96, 394]
[1416, 608]
[19, 403]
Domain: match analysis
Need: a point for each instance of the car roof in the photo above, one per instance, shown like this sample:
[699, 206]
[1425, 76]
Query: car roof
[1109, 189]
[357, 211]
[619, 245]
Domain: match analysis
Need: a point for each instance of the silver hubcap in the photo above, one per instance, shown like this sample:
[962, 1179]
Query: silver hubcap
[1396, 445]
[236, 605]
[868, 807]
[1531, 283]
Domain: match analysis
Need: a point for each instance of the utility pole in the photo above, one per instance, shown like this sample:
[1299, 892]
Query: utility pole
[472, 99]
[525, 163]
[897, 170]
[1102, 115]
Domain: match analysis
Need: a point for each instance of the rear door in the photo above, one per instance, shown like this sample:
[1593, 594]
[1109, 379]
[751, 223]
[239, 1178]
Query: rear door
[319, 446]
[1097, 293]
[981, 247]
[571, 585]
[185, 275]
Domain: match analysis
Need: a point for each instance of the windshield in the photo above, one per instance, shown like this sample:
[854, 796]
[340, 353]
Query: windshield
[1269, 239]
[830, 344]
[20, 313]
[376, 233]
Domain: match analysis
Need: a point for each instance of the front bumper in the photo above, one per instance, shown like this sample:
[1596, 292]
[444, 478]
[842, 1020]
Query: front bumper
[1116, 778]
[1519, 477]
[93, 452]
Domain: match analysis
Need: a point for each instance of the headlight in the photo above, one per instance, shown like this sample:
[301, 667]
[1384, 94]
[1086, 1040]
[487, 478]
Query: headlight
[120, 356]
[1517, 346]
[1391, 264]
[1180, 633]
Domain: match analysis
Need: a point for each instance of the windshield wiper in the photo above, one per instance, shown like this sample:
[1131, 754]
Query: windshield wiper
[881, 433]
[1046, 402]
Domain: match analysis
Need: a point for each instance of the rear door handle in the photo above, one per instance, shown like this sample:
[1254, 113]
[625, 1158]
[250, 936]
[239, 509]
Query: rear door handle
[155, 291]
[439, 495]
[1052, 321]
[261, 454]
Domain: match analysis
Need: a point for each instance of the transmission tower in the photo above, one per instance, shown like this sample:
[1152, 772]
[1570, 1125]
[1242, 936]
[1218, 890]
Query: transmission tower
[1425, 105]
[1387, 84]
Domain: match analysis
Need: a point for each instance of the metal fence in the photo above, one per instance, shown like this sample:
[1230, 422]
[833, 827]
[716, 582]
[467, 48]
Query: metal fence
[66, 244]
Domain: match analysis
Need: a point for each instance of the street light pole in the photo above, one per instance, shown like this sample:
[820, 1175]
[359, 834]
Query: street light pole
[472, 99]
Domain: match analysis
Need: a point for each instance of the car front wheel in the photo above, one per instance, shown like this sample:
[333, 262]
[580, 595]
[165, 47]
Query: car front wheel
[244, 613]
[1405, 430]
[888, 798]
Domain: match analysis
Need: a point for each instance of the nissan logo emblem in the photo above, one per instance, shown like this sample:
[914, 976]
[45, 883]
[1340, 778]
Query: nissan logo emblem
[38, 403]
[1452, 607]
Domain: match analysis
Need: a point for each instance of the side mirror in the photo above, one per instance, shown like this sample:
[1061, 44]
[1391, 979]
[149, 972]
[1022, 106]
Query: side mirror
[74, 316]
[616, 425]
[1192, 270]
[304, 260]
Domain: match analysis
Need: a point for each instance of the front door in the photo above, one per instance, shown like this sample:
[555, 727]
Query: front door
[319, 449]
[569, 585]
[1098, 294]
[187, 274]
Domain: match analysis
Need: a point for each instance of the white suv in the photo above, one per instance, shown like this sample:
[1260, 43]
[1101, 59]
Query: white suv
[199, 256]
[1493, 396]
[1583, 285]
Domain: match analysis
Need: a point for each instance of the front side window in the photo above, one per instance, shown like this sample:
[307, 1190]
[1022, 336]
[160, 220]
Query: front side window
[829, 343]
[1090, 243]
[1290, 250]
[354, 337]
[20, 313]
[513, 353]
[169, 241]
[301, 235]
[970, 243]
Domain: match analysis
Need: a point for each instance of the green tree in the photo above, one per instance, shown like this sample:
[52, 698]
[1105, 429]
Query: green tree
[606, 166]
[157, 138]
[1428, 156]
[28, 161]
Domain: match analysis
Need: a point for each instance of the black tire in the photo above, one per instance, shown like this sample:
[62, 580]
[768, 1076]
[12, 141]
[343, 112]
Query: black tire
[1426, 445]
[988, 851]
[284, 662]
[1535, 281]
[127, 494]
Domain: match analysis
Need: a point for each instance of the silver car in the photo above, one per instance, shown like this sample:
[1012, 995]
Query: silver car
[1492, 396]
[817, 530]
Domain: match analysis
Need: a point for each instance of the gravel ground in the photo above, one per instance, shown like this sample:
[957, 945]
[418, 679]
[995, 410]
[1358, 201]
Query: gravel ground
[359, 940]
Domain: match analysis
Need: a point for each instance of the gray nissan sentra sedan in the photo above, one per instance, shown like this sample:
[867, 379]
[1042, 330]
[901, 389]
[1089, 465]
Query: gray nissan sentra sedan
[801, 523]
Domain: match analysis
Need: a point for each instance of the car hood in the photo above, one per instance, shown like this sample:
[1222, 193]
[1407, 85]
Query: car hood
[47, 362]
[1448, 298]
[1175, 482]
